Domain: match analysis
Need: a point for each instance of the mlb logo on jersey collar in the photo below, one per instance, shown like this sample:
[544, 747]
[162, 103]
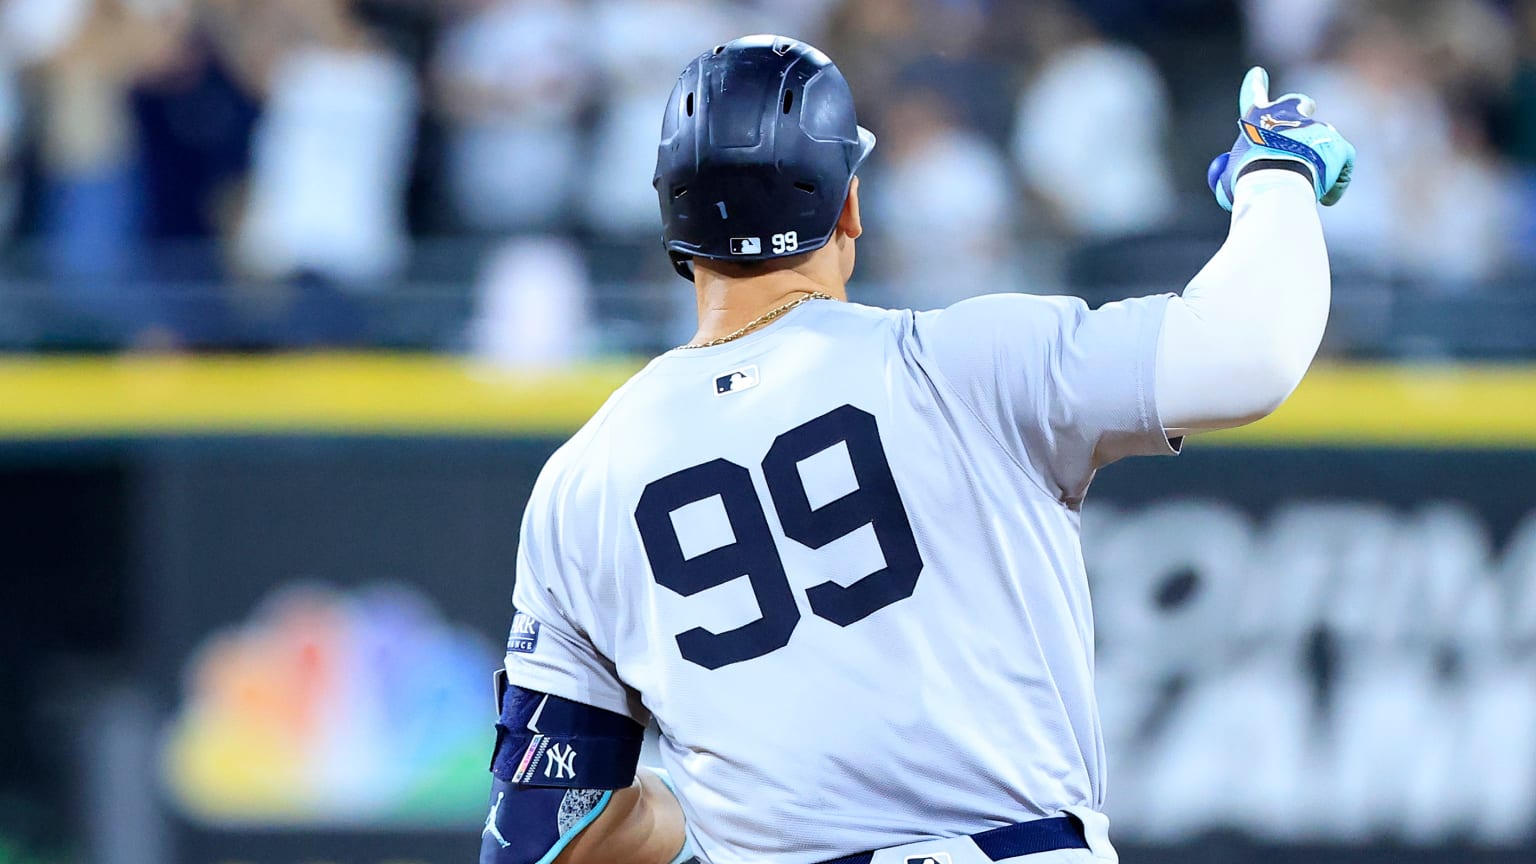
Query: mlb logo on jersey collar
[935, 858]
[736, 380]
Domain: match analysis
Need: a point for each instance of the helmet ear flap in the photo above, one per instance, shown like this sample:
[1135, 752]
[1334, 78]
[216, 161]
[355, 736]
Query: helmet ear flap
[866, 147]
[682, 264]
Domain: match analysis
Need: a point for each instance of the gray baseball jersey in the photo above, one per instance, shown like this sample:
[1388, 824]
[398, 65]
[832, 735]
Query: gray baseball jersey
[838, 561]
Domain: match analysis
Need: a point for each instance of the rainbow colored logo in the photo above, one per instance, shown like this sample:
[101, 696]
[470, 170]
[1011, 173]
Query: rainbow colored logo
[331, 709]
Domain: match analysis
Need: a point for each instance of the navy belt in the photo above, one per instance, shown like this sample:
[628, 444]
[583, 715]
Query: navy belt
[1011, 841]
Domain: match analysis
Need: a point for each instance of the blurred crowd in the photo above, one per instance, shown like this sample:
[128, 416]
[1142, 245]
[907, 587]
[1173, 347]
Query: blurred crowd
[300, 154]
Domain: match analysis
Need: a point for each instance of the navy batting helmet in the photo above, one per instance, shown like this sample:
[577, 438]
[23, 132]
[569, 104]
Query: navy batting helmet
[758, 148]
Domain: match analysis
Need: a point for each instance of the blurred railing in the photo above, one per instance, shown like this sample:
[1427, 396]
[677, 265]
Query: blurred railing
[627, 301]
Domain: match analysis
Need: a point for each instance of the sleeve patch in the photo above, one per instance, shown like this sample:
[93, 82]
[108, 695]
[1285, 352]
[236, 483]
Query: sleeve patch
[524, 638]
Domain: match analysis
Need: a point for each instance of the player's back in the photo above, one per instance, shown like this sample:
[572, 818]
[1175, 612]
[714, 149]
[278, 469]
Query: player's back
[845, 582]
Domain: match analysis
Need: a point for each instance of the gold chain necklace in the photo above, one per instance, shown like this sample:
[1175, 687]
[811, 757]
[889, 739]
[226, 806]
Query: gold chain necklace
[765, 318]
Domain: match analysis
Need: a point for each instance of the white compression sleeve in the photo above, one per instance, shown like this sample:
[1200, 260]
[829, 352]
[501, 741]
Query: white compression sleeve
[1242, 336]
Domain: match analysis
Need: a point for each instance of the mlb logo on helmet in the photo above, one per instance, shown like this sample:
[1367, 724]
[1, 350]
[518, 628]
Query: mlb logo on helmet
[746, 245]
[525, 634]
[935, 858]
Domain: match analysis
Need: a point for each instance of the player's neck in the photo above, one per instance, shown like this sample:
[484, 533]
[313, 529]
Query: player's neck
[726, 305]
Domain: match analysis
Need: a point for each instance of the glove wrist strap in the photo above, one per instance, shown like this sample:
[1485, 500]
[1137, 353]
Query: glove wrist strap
[1282, 164]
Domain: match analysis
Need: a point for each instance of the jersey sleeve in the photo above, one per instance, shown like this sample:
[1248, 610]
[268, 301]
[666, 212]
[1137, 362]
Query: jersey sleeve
[1064, 388]
[551, 647]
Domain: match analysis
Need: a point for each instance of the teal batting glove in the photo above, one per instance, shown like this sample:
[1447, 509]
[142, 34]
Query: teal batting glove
[1282, 134]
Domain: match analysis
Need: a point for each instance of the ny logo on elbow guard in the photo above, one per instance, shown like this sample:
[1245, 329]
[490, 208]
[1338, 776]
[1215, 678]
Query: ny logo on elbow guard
[562, 763]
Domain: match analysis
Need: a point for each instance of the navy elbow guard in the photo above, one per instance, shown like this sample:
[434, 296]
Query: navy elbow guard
[555, 767]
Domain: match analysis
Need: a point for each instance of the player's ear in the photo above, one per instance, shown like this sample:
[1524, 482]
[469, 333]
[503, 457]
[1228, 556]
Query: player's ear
[848, 223]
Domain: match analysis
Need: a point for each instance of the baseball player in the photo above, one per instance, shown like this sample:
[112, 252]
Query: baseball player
[833, 550]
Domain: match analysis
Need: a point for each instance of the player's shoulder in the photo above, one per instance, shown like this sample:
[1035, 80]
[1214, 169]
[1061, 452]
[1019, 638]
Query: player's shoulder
[601, 422]
[842, 319]
[859, 314]
[989, 322]
[994, 310]
[586, 451]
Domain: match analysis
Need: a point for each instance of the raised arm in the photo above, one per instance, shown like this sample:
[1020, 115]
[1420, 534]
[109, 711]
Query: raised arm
[1242, 336]
[1066, 390]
